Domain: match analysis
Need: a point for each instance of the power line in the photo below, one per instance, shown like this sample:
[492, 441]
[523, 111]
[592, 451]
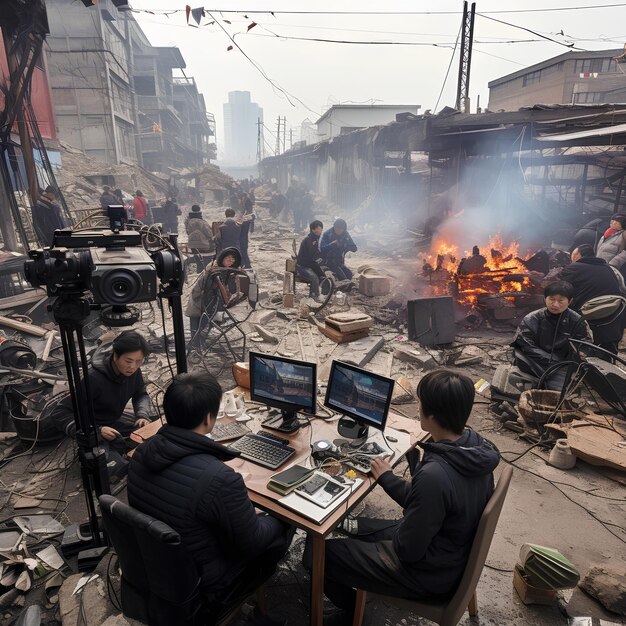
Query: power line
[534, 32]
[445, 80]
[274, 13]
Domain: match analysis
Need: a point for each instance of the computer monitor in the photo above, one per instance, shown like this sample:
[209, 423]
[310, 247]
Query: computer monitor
[363, 397]
[284, 384]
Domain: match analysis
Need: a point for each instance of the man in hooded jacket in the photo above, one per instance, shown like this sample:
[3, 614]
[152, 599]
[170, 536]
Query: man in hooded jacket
[179, 476]
[423, 555]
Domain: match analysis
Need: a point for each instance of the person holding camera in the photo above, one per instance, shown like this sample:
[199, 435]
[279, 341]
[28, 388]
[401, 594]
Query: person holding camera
[335, 242]
[114, 379]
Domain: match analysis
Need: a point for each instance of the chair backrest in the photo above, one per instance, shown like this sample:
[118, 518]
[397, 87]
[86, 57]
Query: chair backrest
[480, 548]
[160, 581]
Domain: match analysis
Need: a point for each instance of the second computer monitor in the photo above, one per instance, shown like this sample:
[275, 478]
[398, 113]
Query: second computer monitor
[284, 384]
[359, 394]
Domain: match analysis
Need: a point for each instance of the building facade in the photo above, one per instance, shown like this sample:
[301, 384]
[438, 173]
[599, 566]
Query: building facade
[115, 95]
[570, 78]
[241, 117]
[345, 118]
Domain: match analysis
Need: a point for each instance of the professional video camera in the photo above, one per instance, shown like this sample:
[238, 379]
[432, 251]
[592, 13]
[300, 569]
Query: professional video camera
[118, 270]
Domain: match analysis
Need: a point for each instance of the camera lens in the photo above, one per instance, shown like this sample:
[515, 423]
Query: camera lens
[120, 286]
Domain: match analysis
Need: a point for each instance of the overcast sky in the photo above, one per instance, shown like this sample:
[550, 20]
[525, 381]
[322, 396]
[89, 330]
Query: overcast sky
[316, 75]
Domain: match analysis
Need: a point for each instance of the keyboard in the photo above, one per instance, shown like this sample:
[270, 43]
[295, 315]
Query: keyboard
[232, 430]
[262, 450]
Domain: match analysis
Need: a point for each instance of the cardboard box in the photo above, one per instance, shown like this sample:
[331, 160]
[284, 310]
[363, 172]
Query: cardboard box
[373, 285]
[529, 594]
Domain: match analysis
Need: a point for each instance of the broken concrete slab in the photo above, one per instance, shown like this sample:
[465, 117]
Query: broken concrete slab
[411, 355]
[266, 334]
[607, 583]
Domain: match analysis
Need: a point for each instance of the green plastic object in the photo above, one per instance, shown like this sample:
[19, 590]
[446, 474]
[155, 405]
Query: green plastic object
[546, 568]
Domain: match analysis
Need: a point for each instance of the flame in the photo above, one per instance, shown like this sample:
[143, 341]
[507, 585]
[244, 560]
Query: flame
[501, 259]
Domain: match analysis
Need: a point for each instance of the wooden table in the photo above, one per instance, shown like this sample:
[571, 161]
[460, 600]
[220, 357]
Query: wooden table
[256, 478]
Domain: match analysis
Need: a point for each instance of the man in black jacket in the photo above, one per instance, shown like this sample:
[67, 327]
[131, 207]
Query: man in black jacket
[47, 216]
[307, 262]
[230, 232]
[114, 379]
[423, 555]
[592, 277]
[180, 477]
[542, 339]
[108, 197]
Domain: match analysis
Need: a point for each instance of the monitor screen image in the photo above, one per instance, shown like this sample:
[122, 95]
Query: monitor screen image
[359, 394]
[282, 383]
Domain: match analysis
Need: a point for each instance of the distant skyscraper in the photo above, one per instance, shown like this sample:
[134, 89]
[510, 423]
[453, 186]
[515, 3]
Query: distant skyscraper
[240, 128]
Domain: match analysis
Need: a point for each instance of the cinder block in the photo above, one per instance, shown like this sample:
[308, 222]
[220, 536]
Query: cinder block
[373, 285]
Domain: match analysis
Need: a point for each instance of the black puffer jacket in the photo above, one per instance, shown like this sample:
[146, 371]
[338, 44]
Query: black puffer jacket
[110, 393]
[591, 277]
[443, 504]
[179, 477]
[544, 337]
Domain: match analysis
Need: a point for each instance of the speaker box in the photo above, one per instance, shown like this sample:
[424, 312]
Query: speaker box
[431, 320]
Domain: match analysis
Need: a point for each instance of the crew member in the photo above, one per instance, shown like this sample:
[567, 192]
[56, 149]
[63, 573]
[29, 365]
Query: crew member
[199, 233]
[335, 242]
[542, 339]
[230, 232]
[307, 262]
[47, 216]
[108, 197]
[423, 555]
[612, 246]
[592, 277]
[140, 206]
[114, 379]
[179, 477]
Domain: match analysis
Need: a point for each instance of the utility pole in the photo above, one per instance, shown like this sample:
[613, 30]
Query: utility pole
[290, 138]
[278, 122]
[284, 132]
[259, 140]
[465, 62]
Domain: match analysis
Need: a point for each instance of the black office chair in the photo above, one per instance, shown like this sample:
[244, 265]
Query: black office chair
[160, 581]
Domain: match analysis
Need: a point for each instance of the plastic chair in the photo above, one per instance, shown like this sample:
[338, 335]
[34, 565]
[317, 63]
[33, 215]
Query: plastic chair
[450, 612]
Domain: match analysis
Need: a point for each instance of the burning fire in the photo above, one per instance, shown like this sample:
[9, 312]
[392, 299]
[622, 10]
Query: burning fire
[494, 268]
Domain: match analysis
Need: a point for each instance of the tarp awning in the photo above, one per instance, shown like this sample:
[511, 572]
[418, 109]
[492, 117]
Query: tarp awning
[582, 134]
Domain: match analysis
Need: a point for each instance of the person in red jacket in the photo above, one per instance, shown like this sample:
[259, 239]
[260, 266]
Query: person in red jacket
[140, 205]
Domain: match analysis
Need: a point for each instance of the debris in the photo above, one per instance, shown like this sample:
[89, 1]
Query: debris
[607, 584]
[402, 392]
[349, 322]
[468, 360]
[410, 355]
[561, 455]
[23, 582]
[266, 334]
[529, 594]
[539, 406]
[372, 283]
[595, 443]
[23, 327]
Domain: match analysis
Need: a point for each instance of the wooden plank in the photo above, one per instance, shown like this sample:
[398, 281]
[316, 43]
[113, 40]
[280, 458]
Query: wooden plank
[339, 337]
[30, 329]
[21, 299]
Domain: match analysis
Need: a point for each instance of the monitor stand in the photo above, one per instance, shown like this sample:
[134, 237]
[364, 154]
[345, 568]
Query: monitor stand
[286, 422]
[353, 430]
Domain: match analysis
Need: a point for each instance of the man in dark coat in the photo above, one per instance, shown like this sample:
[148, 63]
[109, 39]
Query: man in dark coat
[423, 555]
[542, 339]
[592, 277]
[114, 379]
[180, 477]
[47, 216]
[230, 232]
[108, 197]
[307, 262]
[246, 219]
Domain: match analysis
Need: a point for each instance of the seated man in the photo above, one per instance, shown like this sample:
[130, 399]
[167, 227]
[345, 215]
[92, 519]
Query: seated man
[114, 379]
[542, 338]
[592, 277]
[307, 262]
[199, 233]
[423, 555]
[335, 242]
[179, 477]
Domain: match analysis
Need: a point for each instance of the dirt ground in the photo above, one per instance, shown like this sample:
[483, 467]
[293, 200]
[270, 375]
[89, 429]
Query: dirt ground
[580, 512]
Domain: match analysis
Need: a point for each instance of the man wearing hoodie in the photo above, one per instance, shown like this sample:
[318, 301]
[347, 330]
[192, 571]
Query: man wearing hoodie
[114, 379]
[179, 477]
[423, 555]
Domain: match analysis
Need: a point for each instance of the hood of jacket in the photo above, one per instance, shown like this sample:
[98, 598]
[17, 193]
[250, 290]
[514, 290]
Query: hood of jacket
[101, 362]
[471, 455]
[171, 444]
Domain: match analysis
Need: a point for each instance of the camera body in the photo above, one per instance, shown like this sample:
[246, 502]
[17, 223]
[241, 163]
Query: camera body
[122, 276]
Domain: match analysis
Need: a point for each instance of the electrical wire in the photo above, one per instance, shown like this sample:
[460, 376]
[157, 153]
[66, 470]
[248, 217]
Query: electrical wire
[445, 79]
